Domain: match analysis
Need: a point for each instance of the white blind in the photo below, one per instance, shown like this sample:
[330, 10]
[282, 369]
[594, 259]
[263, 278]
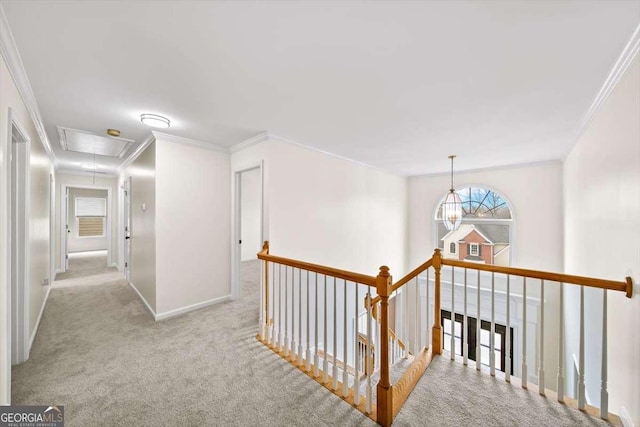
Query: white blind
[91, 206]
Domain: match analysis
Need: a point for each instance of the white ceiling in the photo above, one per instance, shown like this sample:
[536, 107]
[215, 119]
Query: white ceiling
[397, 85]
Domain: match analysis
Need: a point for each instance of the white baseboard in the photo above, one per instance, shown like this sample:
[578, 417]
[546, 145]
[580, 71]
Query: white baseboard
[625, 417]
[115, 264]
[35, 330]
[146, 304]
[183, 310]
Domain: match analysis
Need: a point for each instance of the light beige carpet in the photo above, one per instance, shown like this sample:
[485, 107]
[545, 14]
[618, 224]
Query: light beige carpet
[450, 394]
[87, 268]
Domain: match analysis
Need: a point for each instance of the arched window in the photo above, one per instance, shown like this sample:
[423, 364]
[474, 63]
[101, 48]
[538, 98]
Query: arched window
[484, 236]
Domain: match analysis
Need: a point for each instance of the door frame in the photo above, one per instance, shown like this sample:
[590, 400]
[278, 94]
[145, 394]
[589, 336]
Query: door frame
[19, 247]
[236, 231]
[64, 208]
[125, 221]
[52, 227]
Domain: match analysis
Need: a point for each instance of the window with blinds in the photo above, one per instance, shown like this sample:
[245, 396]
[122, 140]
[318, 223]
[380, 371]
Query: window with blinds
[90, 213]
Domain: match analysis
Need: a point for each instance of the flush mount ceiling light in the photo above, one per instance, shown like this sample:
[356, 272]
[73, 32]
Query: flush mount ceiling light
[452, 206]
[155, 120]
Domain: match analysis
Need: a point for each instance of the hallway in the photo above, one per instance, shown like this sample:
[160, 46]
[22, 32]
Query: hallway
[87, 268]
[99, 353]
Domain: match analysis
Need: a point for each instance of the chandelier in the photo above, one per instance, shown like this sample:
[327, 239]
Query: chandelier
[452, 206]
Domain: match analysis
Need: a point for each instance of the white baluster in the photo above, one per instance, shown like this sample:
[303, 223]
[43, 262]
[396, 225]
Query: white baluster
[294, 356]
[308, 352]
[428, 328]
[368, 360]
[272, 288]
[561, 347]
[581, 396]
[392, 350]
[492, 337]
[417, 346]
[604, 394]
[507, 357]
[356, 349]
[335, 336]
[465, 333]
[280, 348]
[377, 338]
[403, 318]
[541, 355]
[261, 328]
[524, 333]
[345, 373]
[286, 310]
[453, 315]
[300, 314]
[478, 325]
[316, 359]
[325, 364]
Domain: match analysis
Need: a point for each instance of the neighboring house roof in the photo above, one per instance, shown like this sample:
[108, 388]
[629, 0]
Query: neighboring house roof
[464, 230]
[460, 233]
[497, 234]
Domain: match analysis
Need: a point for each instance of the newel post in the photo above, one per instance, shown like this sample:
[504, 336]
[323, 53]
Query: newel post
[436, 335]
[384, 392]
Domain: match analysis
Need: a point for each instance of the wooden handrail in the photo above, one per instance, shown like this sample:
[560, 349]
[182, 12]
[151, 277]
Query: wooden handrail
[394, 337]
[626, 286]
[413, 274]
[321, 269]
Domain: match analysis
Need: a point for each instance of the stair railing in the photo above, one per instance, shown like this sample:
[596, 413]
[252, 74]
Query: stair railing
[455, 294]
[334, 302]
[309, 316]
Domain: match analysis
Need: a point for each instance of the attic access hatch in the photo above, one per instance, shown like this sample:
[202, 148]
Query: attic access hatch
[86, 142]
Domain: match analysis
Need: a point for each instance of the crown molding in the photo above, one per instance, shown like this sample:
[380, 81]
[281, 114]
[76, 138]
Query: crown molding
[192, 142]
[136, 153]
[254, 140]
[541, 163]
[9, 52]
[85, 173]
[620, 67]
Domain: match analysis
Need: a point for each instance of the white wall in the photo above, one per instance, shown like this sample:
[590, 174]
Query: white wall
[142, 172]
[84, 181]
[39, 230]
[193, 225]
[76, 243]
[39, 221]
[535, 196]
[327, 210]
[602, 239]
[250, 194]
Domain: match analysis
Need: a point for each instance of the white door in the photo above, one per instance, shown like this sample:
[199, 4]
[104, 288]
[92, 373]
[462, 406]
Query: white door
[126, 198]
